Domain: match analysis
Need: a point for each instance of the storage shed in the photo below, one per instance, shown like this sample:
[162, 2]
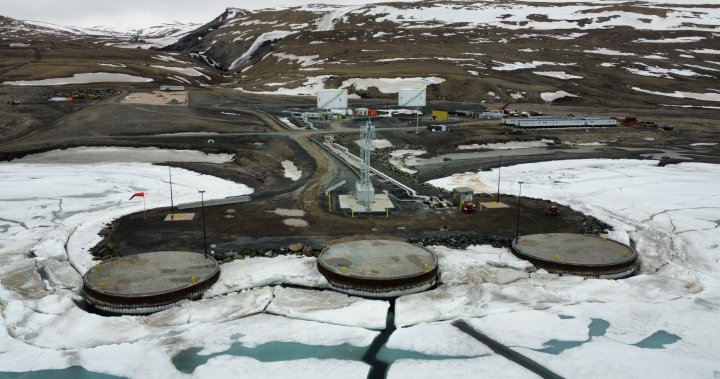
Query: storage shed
[462, 195]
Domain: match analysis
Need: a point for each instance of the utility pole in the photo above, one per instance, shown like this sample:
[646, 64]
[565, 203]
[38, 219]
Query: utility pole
[172, 212]
[497, 200]
[417, 121]
[517, 223]
[202, 202]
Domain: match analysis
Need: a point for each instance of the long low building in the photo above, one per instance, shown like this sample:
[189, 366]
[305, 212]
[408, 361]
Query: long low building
[559, 121]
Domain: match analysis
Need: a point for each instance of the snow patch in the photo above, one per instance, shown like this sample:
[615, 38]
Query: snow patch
[552, 96]
[708, 96]
[84, 78]
[557, 74]
[290, 171]
[269, 36]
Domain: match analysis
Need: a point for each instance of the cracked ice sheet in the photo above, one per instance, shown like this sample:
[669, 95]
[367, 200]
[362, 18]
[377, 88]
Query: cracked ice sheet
[48, 331]
[54, 322]
[480, 264]
[425, 339]
[263, 328]
[671, 214]
[260, 271]
[53, 205]
[69, 204]
[443, 339]
[667, 210]
[493, 366]
[329, 307]
[693, 356]
[248, 368]
[53, 333]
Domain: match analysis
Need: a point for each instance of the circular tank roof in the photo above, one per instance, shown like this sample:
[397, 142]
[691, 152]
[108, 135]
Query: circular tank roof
[377, 259]
[574, 249]
[154, 273]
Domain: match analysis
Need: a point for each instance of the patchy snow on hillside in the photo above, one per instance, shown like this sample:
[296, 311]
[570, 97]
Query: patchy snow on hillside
[84, 78]
[169, 58]
[659, 72]
[524, 65]
[541, 17]
[604, 51]
[654, 56]
[302, 60]
[310, 87]
[552, 96]
[557, 74]
[331, 17]
[706, 51]
[391, 85]
[670, 40]
[269, 36]
[708, 96]
[189, 71]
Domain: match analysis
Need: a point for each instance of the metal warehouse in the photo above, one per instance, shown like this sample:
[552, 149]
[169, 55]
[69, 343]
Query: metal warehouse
[559, 121]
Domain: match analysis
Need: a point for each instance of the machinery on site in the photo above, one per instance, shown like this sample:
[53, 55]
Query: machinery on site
[552, 210]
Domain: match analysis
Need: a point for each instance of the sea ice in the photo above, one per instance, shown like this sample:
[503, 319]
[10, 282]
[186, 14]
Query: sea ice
[244, 367]
[258, 272]
[438, 338]
[668, 213]
[328, 307]
[493, 366]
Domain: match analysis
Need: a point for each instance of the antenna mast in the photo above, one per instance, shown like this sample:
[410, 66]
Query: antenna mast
[365, 190]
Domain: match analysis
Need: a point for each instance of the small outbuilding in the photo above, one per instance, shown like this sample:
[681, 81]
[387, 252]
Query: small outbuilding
[439, 115]
[462, 195]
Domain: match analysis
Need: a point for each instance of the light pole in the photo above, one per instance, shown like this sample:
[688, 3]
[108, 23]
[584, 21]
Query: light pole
[497, 200]
[202, 203]
[517, 223]
[172, 212]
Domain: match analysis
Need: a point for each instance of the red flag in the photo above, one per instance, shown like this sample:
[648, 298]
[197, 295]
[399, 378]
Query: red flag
[139, 194]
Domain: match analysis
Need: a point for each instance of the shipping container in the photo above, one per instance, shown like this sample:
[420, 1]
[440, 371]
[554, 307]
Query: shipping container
[439, 115]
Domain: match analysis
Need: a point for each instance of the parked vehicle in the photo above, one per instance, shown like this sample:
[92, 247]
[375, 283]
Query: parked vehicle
[552, 210]
[438, 128]
[469, 208]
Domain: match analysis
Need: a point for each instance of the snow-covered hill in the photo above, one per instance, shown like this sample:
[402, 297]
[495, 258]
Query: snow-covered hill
[157, 36]
[512, 51]
[595, 51]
